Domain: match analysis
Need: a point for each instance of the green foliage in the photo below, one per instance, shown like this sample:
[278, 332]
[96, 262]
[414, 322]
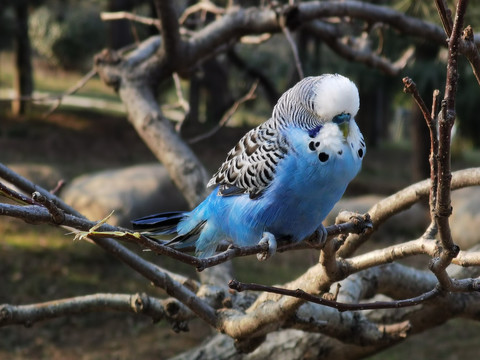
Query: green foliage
[67, 37]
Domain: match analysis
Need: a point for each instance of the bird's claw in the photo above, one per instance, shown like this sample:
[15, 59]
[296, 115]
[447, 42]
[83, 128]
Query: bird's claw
[320, 237]
[267, 238]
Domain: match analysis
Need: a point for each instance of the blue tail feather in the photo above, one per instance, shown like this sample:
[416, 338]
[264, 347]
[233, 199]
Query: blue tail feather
[163, 223]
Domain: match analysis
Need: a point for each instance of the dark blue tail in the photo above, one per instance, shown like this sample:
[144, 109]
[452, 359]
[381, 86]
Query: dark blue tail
[163, 223]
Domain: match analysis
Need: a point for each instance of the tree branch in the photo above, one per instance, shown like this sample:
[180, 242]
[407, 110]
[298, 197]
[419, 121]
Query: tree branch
[300, 294]
[446, 120]
[402, 200]
[119, 15]
[28, 315]
[170, 31]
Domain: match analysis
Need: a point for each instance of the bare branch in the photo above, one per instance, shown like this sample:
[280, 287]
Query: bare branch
[15, 196]
[430, 119]
[250, 95]
[29, 314]
[446, 121]
[73, 219]
[411, 88]
[300, 294]
[29, 188]
[120, 15]
[471, 51]
[57, 214]
[445, 15]
[293, 46]
[402, 200]
[331, 35]
[205, 6]
[172, 43]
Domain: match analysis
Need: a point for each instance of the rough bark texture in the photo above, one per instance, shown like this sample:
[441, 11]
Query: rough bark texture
[255, 325]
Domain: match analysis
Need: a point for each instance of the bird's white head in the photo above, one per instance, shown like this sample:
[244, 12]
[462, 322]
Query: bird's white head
[333, 95]
[318, 100]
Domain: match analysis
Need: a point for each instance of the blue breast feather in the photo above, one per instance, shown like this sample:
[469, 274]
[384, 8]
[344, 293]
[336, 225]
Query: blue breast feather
[301, 195]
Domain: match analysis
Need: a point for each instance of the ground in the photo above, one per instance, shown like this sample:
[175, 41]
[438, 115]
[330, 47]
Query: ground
[40, 263]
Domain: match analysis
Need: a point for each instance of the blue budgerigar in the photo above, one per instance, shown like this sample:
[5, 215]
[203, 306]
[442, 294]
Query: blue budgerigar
[282, 178]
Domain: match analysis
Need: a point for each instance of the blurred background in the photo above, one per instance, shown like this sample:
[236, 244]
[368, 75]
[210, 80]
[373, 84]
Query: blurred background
[47, 47]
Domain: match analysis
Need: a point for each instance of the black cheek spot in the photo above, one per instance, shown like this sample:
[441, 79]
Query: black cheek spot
[317, 144]
[360, 153]
[340, 152]
[323, 157]
[311, 146]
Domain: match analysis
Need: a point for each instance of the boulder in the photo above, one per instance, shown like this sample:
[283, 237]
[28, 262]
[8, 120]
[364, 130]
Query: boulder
[407, 224]
[44, 175]
[465, 219]
[131, 192]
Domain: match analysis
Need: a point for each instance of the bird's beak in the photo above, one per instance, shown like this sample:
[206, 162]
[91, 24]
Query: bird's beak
[345, 128]
[343, 122]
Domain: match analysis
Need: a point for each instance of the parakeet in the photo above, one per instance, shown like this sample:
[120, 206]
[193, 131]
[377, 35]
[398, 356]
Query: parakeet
[282, 178]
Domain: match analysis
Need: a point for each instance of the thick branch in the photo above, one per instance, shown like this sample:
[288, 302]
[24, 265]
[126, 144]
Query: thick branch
[402, 200]
[172, 43]
[27, 315]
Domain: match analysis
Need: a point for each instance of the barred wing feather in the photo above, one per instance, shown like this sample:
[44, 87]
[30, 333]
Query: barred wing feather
[251, 165]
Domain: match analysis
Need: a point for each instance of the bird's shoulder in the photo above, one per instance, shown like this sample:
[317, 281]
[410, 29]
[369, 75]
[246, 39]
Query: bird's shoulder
[250, 166]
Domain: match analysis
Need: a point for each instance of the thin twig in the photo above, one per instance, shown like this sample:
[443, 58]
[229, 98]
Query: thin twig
[293, 46]
[300, 294]
[204, 5]
[445, 16]
[81, 83]
[430, 119]
[120, 15]
[60, 184]
[181, 99]
[411, 88]
[15, 195]
[471, 52]
[250, 95]
[357, 224]
[332, 37]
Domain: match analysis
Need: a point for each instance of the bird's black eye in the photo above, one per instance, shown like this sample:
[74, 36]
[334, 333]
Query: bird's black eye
[341, 118]
[323, 157]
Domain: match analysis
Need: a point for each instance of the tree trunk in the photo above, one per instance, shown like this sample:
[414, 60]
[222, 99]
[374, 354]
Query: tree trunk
[23, 73]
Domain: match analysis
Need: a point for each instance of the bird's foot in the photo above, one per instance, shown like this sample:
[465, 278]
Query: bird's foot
[319, 237]
[267, 238]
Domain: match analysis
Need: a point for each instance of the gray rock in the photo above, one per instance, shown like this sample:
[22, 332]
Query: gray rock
[407, 224]
[131, 192]
[44, 175]
[465, 219]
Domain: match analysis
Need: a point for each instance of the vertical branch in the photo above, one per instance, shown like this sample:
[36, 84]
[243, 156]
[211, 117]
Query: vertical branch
[445, 16]
[433, 159]
[172, 42]
[293, 46]
[430, 119]
[446, 121]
